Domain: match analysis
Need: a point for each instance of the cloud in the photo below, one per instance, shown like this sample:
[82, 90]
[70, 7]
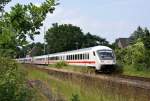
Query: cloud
[107, 24]
[106, 29]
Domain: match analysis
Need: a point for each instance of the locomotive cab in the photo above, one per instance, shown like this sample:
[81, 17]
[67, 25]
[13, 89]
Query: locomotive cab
[105, 58]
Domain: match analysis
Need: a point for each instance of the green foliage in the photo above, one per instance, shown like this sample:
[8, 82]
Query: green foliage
[93, 40]
[67, 37]
[136, 54]
[21, 22]
[132, 55]
[64, 37]
[75, 97]
[37, 49]
[146, 39]
[13, 82]
[139, 33]
[146, 42]
[61, 64]
[33, 49]
[27, 19]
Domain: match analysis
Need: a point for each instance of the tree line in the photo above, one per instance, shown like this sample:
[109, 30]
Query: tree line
[137, 54]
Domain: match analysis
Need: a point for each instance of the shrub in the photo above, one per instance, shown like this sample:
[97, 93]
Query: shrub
[13, 82]
[61, 64]
[75, 97]
[147, 59]
[134, 55]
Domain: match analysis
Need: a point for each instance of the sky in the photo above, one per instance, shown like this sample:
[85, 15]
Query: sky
[110, 19]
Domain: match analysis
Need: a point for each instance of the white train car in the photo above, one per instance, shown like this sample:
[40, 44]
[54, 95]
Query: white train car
[100, 57]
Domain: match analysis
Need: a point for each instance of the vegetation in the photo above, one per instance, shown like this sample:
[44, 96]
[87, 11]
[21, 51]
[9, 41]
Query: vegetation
[21, 22]
[61, 64]
[15, 26]
[75, 97]
[13, 82]
[67, 37]
[137, 55]
[74, 88]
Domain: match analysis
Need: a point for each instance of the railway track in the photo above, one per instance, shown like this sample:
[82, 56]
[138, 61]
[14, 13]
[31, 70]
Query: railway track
[139, 82]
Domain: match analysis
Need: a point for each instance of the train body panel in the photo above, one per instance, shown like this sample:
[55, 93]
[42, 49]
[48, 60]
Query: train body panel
[97, 57]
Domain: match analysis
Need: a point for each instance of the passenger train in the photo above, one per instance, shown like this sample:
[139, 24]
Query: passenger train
[99, 57]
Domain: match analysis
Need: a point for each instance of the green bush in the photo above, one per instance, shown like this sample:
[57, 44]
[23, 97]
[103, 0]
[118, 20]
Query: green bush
[75, 97]
[61, 64]
[133, 55]
[13, 82]
[147, 59]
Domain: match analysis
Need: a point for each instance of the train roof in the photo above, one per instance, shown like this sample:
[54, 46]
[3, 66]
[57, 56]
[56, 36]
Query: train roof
[79, 50]
[85, 49]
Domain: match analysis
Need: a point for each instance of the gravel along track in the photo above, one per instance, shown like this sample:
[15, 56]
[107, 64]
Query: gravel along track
[139, 82]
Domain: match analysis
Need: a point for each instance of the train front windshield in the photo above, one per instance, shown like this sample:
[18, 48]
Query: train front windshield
[106, 55]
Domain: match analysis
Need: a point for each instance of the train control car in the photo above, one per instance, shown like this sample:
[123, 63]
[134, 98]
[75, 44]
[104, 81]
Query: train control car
[100, 57]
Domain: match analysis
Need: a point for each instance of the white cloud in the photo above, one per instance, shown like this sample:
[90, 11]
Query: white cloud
[106, 29]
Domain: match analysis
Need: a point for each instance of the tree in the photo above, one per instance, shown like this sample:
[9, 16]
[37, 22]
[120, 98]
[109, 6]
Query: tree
[35, 49]
[146, 41]
[93, 40]
[23, 21]
[26, 20]
[67, 37]
[64, 37]
[139, 33]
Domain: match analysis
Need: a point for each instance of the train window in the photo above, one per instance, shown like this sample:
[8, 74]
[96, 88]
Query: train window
[93, 53]
[73, 57]
[76, 57]
[81, 56]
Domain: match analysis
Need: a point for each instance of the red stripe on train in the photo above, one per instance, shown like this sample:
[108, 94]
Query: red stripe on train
[78, 62]
[88, 62]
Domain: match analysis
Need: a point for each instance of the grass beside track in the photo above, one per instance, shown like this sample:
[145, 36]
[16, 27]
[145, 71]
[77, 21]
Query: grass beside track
[82, 69]
[130, 71]
[127, 70]
[67, 88]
